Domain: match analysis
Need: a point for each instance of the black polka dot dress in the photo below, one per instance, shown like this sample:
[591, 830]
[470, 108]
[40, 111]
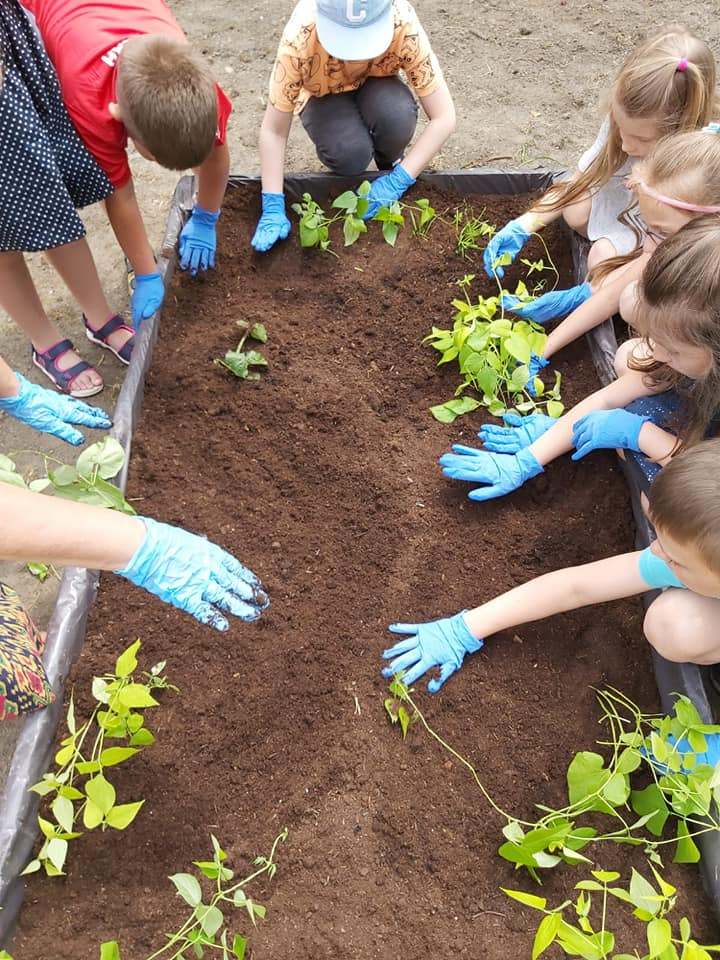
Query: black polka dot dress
[45, 171]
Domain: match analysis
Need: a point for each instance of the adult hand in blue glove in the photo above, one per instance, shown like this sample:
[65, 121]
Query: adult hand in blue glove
[147, 297]
[502, 474]
[198, 241]
[556, 303]
[440, 643]
[195, 575]
[519, 432]
[273, 224]
[607, 430]
[51, 412]
[387, 189]
[511, 239]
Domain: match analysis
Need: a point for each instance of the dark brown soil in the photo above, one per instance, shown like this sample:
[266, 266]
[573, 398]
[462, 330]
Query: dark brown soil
[323, 478]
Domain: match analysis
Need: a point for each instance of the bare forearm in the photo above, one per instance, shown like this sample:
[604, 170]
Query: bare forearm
[558, 592]
[127, 223]
[274, 133]
[8, 381]
[558, 439]
[656, 443]
[213, 178]
[39, 527]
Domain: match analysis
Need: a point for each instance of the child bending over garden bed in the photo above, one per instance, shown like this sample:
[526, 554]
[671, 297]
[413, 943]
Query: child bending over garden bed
[666, 400]
[683, 624]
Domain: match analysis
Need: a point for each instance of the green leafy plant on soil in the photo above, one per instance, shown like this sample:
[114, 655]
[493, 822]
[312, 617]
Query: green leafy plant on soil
[469, 230]
[352, 205]
[241, 362]
[78, 790]
[492, 353]
[206, 930]
[684, 792]
[589, 936]
[86, 482]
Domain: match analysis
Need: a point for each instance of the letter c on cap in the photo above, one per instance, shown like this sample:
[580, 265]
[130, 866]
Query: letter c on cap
[353, 15]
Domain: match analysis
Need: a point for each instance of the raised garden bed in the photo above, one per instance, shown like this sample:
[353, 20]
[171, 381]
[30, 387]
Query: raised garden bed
[322, 477]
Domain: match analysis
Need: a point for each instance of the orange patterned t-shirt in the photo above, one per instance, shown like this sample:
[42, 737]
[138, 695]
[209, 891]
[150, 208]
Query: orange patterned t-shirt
[304, 69]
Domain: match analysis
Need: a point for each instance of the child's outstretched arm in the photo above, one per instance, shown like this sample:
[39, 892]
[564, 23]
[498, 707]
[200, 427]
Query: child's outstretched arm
[444, 643]
[198, 238]
[127, 223]
[273, 224]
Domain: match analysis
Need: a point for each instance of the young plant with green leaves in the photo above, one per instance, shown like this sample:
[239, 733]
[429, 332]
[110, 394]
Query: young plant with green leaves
[78, 791]
[241, 363]
[314, 225]
[582, 927]
[469, 231]
[86, 482]
[493, 353]
[206, 931]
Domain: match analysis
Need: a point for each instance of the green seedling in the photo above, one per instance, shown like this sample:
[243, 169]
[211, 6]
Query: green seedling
[469, 230]
[205, 931]
[86, 482]
[392, 222]
[353, 206]
[314, 227]
[581, 928]
[78, 791]
[241, 362]
[422, 216]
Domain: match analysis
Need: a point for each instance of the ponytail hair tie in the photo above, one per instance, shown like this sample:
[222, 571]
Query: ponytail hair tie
[682, 65]
[712, 128]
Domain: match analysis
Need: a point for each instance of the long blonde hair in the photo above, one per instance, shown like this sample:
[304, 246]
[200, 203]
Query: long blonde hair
[680, 303]
[650, 86]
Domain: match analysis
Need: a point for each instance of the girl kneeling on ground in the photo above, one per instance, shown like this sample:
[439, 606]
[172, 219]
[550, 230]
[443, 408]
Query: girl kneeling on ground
[683, 624]
[666, 86]
[337, 66]
[671, 391]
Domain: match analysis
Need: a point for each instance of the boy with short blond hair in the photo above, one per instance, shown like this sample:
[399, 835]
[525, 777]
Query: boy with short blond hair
[126, 70]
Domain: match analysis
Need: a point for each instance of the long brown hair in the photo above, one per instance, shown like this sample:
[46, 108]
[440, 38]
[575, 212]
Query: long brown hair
[649, 86]
[680, 303]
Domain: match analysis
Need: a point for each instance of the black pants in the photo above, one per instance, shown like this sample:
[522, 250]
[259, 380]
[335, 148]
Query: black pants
[349, 129]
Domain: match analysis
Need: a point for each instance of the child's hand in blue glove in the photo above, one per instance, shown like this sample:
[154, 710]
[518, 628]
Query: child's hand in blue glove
[147, 297]
[440, 643]
[387, 189]
[51, 412]
[518, 433]
[502, 474]
[511, 239]
[198, 241]
[273, 225]
[537, 363]
[607, 430]
[556, 303]
[195, 575]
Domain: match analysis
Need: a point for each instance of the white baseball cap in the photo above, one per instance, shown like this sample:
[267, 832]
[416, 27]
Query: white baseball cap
[355, 29]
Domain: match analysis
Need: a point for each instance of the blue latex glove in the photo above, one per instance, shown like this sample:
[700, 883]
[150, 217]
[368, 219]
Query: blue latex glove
[519, 432]
[147, 297]
[387, 189]
[557, 303]
[537, 363]
[273, 224]
[195, 575]
[440, 643]
[51, 412]
[198, 241]
[710, 757]
[511, 239]
[607, 430]
[501, 473]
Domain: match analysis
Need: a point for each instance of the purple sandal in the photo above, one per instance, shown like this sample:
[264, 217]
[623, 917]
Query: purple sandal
[100, 337]
[63, 379]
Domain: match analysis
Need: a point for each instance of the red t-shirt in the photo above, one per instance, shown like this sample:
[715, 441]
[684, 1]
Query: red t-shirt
[84, 41]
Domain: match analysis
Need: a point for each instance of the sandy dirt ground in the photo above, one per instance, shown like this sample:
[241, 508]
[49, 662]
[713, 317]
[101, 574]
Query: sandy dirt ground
[527, 76]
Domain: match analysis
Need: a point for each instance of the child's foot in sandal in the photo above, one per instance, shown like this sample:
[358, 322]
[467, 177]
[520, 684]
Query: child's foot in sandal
[115, 336]
[63, 367]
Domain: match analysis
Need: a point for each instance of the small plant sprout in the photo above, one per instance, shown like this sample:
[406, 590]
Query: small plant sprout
[86, 482]
[469, 230]
[395, 705]
[241, 362]
[78, 790]
[581, 927]
[422, 216]
[314, 228]
[205, 932]
[392, 222]
[354, 205]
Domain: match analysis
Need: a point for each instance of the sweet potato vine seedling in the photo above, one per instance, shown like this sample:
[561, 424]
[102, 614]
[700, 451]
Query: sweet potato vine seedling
[78, 789]
[205, 930]
[684, 792]
[86, 482]
[241, 362]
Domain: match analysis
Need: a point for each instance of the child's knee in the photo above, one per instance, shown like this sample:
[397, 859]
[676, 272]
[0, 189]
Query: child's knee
[622, 355]
[600, 251]
[674, 632]
[577, 215]
[350, 155]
